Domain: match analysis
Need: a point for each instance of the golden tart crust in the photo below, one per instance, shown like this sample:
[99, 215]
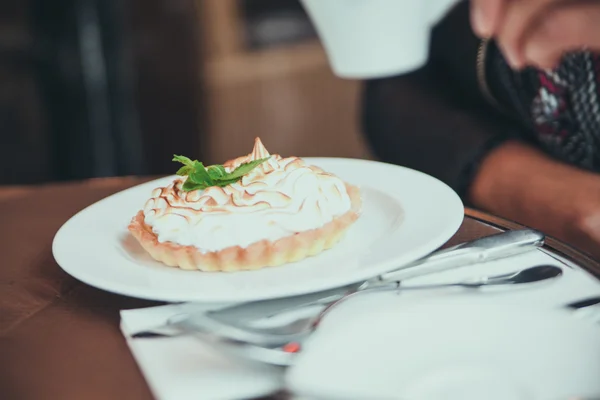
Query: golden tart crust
[257, 255]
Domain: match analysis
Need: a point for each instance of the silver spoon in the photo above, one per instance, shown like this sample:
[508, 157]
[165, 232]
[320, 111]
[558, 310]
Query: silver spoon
[528, 275]
[299, 327]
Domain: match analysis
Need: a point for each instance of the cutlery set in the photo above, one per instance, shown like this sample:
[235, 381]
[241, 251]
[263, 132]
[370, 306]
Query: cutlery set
[255, 330]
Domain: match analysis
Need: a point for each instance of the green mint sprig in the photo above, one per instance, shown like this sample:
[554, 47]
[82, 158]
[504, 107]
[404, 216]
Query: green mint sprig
[201, 177]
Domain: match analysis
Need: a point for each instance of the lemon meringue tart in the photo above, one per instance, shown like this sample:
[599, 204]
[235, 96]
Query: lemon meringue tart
[252, 212]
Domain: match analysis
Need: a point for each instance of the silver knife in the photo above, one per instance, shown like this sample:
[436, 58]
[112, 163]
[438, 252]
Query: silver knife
[493, 247]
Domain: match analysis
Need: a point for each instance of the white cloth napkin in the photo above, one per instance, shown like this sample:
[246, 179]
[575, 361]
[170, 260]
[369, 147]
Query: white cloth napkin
[186, 368]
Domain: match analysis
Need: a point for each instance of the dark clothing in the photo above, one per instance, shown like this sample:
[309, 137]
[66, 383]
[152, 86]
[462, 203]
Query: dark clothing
[558, 112]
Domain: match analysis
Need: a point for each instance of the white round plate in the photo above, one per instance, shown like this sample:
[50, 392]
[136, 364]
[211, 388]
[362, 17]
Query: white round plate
[406, 215]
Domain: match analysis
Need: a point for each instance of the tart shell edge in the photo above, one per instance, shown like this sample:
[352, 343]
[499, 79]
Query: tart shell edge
[258, 255]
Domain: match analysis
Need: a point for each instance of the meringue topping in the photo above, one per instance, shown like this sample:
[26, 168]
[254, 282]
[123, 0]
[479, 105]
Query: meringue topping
[280, 197]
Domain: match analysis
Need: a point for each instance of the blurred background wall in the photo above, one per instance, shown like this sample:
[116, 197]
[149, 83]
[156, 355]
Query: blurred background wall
[93, 88]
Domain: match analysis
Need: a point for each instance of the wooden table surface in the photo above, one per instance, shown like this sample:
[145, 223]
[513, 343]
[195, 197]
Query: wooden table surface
[60, 338]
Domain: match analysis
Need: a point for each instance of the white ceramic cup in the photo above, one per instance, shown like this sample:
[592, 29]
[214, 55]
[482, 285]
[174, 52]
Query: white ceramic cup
[375, 38]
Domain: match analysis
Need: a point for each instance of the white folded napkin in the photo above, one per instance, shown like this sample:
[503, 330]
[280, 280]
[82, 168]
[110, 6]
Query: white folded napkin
[185, 367]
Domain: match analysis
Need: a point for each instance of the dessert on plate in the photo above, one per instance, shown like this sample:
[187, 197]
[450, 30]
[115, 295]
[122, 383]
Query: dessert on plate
[254, 211]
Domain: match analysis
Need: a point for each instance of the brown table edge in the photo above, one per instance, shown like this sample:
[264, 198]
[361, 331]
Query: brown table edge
[554, 245]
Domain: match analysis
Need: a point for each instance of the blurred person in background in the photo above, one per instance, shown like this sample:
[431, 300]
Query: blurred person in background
[517, 113]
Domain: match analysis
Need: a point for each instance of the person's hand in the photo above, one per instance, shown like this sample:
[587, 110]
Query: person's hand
[538, 32]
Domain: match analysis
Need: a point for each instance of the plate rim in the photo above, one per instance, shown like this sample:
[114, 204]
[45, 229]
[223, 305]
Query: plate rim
[454, 223]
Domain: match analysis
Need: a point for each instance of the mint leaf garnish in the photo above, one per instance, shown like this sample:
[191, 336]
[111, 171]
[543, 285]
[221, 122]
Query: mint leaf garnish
[245, 168]
[200, 177]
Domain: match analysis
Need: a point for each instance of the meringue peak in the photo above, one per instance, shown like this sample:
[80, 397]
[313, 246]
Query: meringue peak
[259, 151]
